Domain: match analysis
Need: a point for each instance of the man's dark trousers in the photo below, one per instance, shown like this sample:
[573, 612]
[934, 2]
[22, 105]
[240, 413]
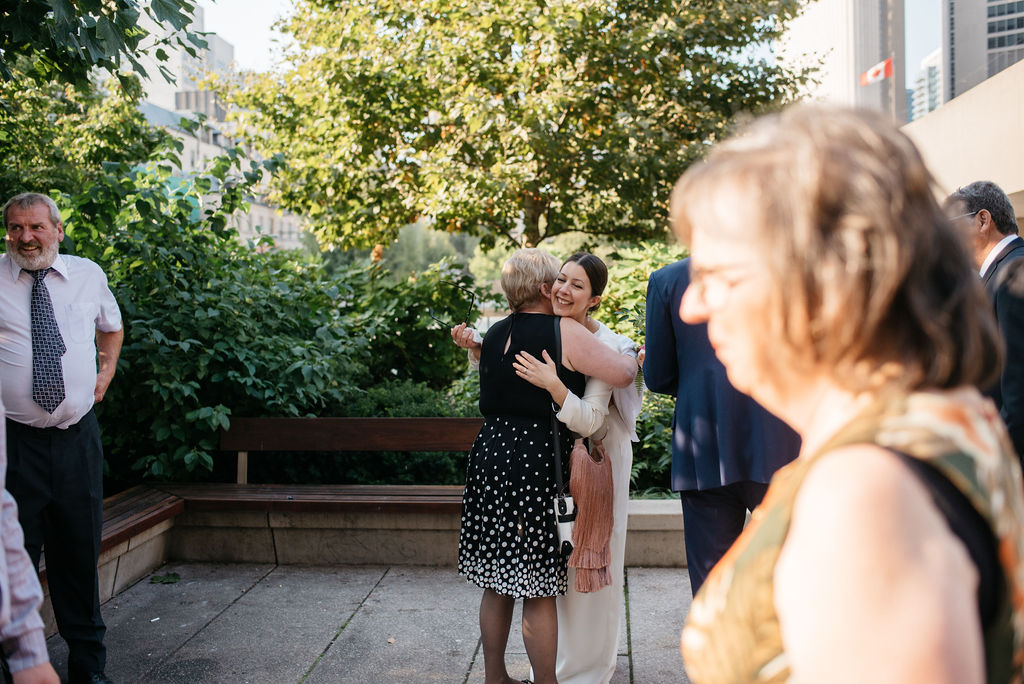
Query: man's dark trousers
[56, 476]
[714, 519]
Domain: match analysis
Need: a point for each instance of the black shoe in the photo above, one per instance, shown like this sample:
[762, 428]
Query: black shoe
[89, 678]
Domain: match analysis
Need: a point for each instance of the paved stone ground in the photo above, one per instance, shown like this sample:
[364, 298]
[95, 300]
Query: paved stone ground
[242, 623]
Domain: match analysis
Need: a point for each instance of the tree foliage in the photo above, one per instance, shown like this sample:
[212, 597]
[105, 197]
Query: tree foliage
[54, 137]
[63, 40]
[215, 328]
[511, 119]
[212, 328]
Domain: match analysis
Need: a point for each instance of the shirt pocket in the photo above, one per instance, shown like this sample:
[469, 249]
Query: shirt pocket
[81, 321]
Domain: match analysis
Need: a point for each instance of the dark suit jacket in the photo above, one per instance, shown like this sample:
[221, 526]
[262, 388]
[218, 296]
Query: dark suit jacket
[1005, 284]
[720, 436]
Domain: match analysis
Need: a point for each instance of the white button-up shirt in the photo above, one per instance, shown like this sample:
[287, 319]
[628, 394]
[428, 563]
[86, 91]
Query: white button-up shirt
[82, 304]
[994, 253]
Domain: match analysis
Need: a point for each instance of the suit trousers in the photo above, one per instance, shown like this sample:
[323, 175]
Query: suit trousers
[712, 520]
[56, 477]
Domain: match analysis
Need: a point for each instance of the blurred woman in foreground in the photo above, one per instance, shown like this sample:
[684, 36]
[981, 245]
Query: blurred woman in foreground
[839, 297]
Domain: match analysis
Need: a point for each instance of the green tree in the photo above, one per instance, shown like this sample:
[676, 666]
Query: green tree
[213, 328]
[63, 40]
[511, 119]
[55, 137]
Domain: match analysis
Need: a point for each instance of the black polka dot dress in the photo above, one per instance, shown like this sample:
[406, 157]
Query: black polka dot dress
[508, 542]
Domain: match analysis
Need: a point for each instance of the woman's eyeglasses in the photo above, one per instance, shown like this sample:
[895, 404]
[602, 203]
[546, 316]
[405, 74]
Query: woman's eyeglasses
[445, 317]
[714, 285]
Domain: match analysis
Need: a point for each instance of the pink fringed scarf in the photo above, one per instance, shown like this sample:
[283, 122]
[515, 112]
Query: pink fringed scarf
[591, 485]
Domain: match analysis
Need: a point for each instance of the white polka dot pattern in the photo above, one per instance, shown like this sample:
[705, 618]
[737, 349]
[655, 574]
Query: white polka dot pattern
[508, 541]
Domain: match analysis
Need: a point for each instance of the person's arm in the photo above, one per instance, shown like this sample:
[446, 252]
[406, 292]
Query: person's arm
[583, 352]
[1010, 316]
[871, 576]
[583, 415]
[39, 674]
[108, 347]
[23, 640]
[469, 339]
[660, 364]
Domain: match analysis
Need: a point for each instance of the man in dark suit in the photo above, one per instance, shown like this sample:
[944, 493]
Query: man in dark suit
[725, 446]
[983, 212]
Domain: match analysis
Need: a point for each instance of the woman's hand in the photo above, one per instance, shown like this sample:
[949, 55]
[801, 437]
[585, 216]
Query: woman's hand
[465, 337]
[538, 374]
[597, 451]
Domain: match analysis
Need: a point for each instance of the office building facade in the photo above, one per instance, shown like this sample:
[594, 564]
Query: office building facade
[844, 39]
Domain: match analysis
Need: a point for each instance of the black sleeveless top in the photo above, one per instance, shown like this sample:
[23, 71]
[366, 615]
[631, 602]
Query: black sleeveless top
[502, 392]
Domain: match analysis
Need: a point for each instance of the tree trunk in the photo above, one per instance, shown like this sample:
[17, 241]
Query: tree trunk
[533, 209]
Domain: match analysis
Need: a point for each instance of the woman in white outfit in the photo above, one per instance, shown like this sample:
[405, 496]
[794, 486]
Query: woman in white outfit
[588, 624]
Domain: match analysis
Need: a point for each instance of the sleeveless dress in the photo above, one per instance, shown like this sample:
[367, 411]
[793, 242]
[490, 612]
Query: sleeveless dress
[732, 633]
[508, 542]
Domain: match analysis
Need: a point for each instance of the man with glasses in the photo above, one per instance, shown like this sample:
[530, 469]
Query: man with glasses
[725, 446]
[984, 215]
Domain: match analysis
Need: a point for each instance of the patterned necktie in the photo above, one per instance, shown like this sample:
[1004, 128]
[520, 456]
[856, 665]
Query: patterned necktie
[47, 347]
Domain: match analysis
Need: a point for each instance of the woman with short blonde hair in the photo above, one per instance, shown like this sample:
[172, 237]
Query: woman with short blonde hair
[522, 272]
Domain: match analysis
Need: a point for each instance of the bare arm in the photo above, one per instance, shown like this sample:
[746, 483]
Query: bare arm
[871, 576]
[583, 415]
[108, 346]
[583, 352]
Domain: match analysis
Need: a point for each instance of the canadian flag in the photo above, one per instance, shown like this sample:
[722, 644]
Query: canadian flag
[877, 73]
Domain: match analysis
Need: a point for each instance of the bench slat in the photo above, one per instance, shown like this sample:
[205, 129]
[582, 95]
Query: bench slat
[350, 434]
[319, 498]
[135, 510]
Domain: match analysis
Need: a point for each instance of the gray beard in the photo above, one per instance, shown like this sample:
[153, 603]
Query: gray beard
[44, 258]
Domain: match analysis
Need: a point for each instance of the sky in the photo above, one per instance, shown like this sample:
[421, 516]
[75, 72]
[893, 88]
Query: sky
[922, 20]
[246, 25]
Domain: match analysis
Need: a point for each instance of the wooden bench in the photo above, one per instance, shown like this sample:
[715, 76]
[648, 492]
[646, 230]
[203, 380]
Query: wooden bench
[253, 435]
[346, 434]
[325, 523]
[133, 511]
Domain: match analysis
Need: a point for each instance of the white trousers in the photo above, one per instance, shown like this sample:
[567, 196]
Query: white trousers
[588, 624]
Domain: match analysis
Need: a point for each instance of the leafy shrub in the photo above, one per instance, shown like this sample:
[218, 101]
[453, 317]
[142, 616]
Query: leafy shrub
[393, 318]
[215, 328]
[212, 327]
[652, 456]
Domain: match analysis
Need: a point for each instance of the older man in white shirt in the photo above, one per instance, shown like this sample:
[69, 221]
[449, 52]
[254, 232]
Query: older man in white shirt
[60, 337]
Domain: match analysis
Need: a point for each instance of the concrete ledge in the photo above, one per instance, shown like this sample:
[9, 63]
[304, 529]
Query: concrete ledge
[654, 538]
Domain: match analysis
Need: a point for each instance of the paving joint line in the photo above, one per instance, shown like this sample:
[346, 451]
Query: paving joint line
[629, 632]
[206, 624]
[341, 629]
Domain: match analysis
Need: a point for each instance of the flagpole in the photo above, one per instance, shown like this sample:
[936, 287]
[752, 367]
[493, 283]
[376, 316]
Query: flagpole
[892, 93]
